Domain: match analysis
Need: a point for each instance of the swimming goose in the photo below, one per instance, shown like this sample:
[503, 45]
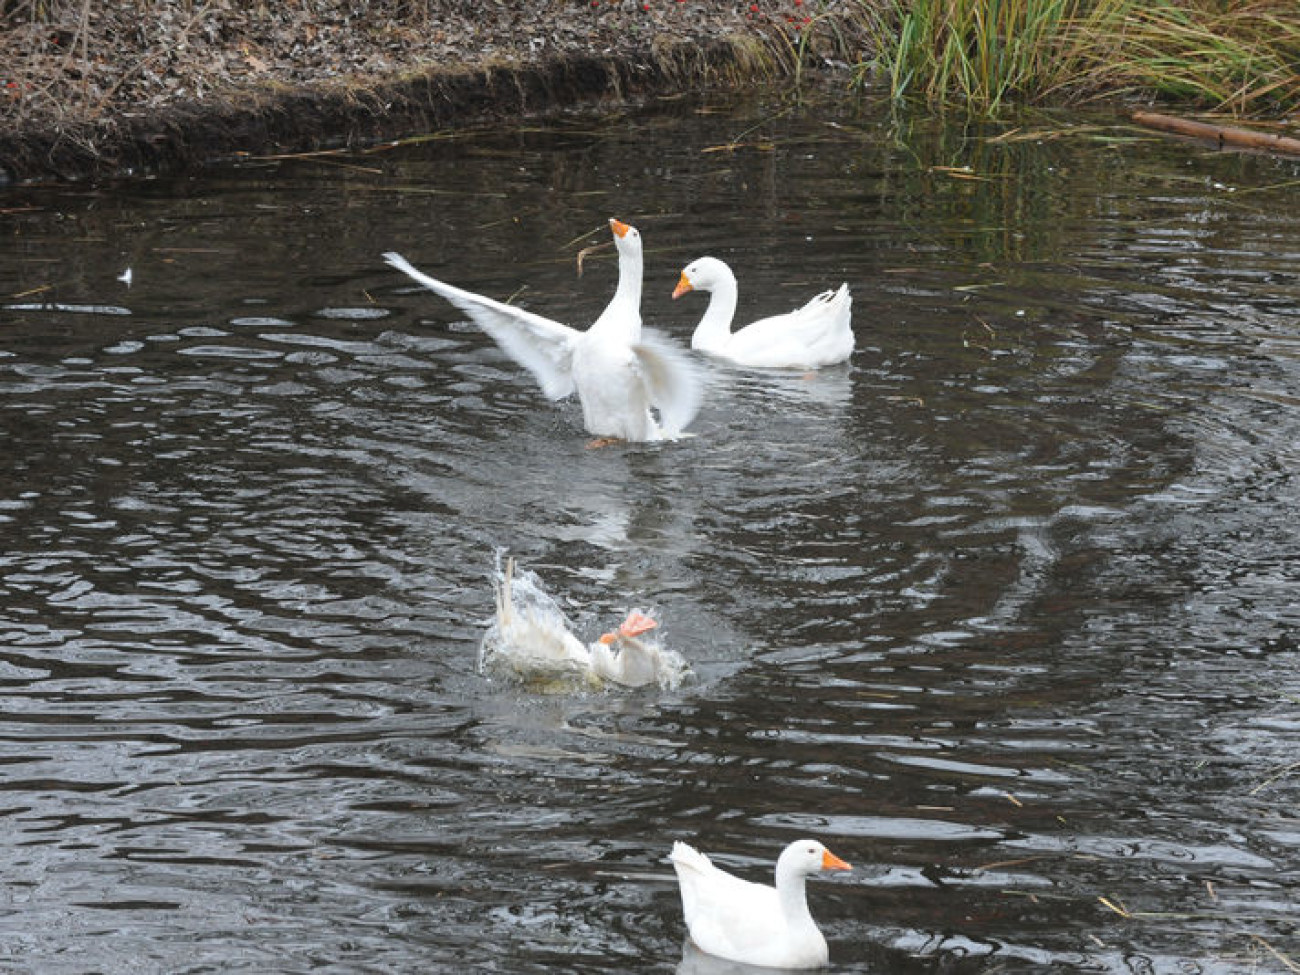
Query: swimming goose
[752, 923]
[818, 334]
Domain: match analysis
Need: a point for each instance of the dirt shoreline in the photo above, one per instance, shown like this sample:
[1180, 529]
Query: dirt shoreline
[93, 94]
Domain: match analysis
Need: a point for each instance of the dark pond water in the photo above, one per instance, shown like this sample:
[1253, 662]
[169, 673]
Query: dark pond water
[1005, 611]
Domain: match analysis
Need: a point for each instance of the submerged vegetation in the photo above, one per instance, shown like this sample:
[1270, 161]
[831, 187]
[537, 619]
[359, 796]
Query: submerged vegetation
[1237, 56]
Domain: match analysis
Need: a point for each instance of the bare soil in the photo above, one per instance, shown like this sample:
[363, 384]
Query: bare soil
[88, 88]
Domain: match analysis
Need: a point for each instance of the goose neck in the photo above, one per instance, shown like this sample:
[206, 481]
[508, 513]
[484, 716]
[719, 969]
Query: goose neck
[630, 271]
[791, 892]
[715, 327]
[623, 312]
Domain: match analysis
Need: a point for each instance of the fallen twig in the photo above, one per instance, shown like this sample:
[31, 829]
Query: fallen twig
[1277, 774]
[1119, 909]
[1290, 965]
[1222, 135]
[582, 254]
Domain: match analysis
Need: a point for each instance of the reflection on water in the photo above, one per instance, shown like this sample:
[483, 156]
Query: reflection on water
[1004, 608]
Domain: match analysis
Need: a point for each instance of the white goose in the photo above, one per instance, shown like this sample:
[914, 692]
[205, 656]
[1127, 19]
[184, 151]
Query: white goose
[752, 923]
[818, 334]
[529, 640]
[618, 371]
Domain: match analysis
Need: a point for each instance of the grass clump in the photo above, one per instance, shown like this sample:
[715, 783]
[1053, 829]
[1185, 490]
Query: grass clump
[1240, 56]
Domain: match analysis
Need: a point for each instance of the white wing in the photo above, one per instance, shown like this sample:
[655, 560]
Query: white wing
[542, 346]
[727, 916]
[818, 334]
[672, 380]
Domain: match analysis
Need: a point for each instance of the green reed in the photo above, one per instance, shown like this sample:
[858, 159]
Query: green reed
[1241, 56]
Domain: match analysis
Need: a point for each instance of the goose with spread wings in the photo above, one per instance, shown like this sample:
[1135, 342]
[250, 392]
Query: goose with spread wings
[633, 384]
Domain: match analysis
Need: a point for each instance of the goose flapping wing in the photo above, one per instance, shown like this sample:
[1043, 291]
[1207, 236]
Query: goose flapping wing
[542, 346]
[672, 379]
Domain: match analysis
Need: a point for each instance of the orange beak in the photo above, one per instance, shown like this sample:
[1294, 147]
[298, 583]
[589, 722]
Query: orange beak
[831, 862]
[683, 286]
[619, 227]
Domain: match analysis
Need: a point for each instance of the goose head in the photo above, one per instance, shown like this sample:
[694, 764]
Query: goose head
[703, 274]
[635, 664]
[804, 857]
[626, 238]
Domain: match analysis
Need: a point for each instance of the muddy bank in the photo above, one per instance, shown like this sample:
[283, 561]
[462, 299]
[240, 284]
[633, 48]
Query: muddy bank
[92, 92]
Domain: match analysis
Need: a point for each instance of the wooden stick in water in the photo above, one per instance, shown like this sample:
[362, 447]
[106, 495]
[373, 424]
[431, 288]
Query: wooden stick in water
[1222, 135]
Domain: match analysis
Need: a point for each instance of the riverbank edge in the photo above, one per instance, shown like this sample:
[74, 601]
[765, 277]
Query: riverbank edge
[277, 119]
